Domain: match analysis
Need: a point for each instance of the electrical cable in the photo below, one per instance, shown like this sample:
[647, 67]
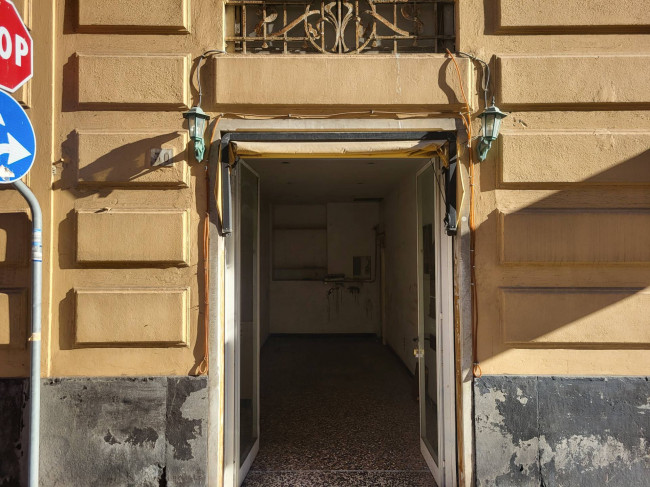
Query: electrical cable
[203, 367]
[436, 177]
[485, 82]
[476, 368]
[258, 116]
[198, 69]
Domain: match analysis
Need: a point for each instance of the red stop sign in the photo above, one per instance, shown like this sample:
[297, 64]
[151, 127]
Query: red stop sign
[16, 53]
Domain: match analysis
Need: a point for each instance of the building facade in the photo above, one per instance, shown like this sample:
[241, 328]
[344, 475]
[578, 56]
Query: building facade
[540, 313]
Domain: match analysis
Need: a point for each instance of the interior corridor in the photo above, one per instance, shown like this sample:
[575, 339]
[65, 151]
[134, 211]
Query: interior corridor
[336, 411]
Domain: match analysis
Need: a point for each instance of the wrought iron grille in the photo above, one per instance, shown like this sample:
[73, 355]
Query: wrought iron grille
[339, 26]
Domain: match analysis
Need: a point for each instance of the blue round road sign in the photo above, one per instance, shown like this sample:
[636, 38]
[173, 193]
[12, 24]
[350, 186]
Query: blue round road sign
[17, 140]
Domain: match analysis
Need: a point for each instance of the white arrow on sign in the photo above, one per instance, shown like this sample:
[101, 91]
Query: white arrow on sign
[15, 150]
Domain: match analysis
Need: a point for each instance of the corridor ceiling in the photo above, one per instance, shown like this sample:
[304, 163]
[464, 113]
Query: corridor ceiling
[330, 180]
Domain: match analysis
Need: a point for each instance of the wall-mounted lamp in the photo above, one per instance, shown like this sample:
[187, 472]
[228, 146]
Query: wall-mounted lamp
[491, 118]
[197, 121]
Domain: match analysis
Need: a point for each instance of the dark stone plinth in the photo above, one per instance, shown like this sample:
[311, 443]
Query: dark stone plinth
[555, 431]
[144, 431]
[13, 432]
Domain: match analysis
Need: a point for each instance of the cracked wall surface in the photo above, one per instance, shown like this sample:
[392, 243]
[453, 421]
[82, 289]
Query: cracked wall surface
[562, 431]
[144, 431]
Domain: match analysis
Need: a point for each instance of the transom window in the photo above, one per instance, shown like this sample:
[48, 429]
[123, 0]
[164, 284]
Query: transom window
[339, 26]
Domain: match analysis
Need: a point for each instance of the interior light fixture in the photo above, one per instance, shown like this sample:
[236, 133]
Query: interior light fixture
[491, 118]
[197, 121]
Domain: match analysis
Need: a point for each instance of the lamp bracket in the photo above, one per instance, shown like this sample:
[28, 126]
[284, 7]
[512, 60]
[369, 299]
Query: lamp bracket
[483, 148]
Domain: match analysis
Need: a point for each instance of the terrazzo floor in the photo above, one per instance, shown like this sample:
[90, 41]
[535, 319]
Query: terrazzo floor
[336, 412]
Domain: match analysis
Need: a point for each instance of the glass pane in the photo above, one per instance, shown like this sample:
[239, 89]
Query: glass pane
[191, 126]
[427, 276]
[200, 126]
[247, 312]
[489, 126]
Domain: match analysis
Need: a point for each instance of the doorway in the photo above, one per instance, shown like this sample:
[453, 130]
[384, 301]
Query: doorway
[301, 236]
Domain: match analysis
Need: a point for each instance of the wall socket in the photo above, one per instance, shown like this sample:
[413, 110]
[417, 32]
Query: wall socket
[162, 157]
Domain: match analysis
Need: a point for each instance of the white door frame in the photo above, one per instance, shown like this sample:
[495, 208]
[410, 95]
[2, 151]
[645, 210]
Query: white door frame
[233, 476]
[231, 296]
[445, 471]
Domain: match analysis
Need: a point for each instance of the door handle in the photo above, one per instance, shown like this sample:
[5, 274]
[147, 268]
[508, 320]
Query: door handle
[431, 338]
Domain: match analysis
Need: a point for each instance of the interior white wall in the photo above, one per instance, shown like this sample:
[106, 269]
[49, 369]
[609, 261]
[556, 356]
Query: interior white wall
[400, 227]
[350, 231]
[329, 307]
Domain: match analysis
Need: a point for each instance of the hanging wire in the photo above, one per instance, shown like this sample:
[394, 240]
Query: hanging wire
[485, 83]
[436, 176]
[198, 69]
[301, 116]
[476, 367]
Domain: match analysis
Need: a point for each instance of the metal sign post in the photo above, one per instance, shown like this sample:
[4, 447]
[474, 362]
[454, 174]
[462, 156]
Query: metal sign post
[35, 338]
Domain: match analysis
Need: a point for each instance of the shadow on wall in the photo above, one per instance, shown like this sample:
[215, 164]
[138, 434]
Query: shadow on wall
[565, 271]
[129, 164]
[107, 171]
[571, 269]
[15, 232]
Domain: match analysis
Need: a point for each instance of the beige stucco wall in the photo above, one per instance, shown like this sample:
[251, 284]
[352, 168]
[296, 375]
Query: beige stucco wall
[15, 226]
[123, 243]
[563, 231]
[563, 199]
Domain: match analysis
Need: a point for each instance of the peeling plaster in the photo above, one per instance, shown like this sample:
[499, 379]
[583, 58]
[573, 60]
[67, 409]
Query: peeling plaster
[496, 446]
[588, 452]
[561, 431]
[182, 429]
[644, 408]
[520, 397]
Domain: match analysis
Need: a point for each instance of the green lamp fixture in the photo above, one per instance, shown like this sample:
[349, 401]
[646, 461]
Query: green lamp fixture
[491, 118]
[197, 121]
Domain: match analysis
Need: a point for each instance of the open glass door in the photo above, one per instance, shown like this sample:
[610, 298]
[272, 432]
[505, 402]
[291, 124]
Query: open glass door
[245, 336]
[435, 330]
